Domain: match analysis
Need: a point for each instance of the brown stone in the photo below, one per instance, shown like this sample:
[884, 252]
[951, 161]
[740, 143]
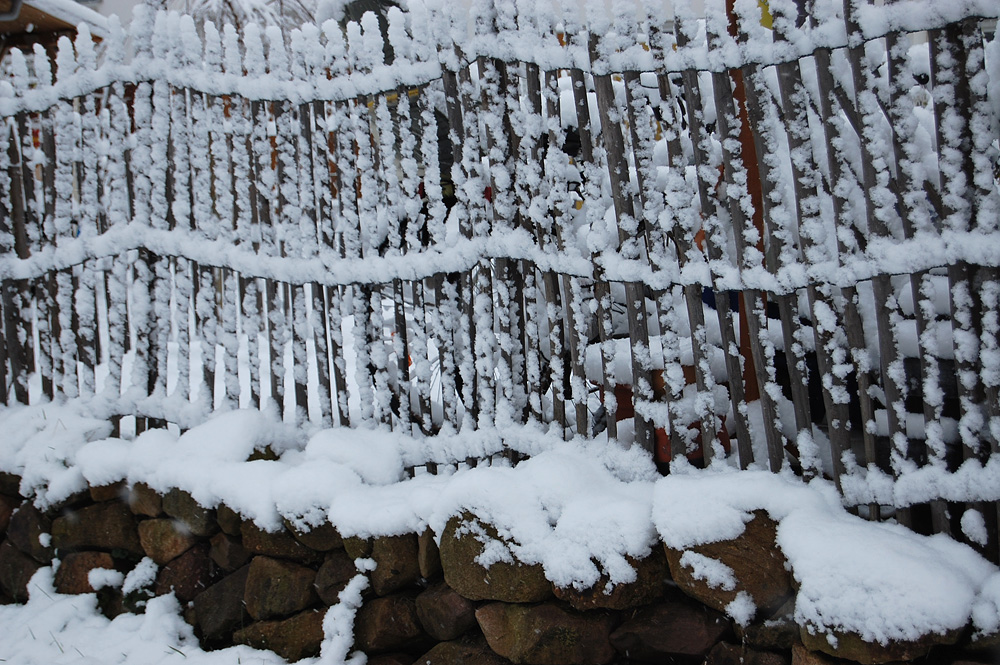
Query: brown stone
[391, 659]
[508, 582]
[187, 575]
[72, 576]
[144, 500]
[780, 632]
[850, 646]
[280, 544]
[396, 563]
[277, 588]
[547, 634]
[337, 570]
[164, 540]
[675, 627]
[388, 624]
[219, 610]
[322, 538]
[103, 526]
[462, 652]
[293, 639]
[428, 555]
[8, 504]
[181, 505]
[730, 654]
[227, 552]
[27, 528]
[10, 484]
[756, 561]
[803, 656]
[108, 492]
[357, 547]
[229, 521]
[444, 614]
[649, 586]
[16, 569]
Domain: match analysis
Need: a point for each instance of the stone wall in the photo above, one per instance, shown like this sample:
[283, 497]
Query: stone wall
[241, 585]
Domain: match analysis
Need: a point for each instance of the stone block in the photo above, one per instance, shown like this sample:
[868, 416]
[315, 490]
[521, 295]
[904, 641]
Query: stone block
[649, 586]
[277, 588]
[756, 561]
[187, 575]
[8, 504]
[547, 634]
[181, 505]
[428, 555]
[388, 624]
[671, 629]
[337, 570]
[358, 548]
[461, 544]
[229, 520]
[16, 569]
[444, 614]
[144, 500]
[109, 492]
[165, 539]
[72, 576]
[293, 639]
[279, 544]
[850, 646]
[27, 529]
[228, 552]
[396, 563]
[105, 526]
[219, 610]
[730, 654]
[10, 484]
[462, 652]
[322, 538]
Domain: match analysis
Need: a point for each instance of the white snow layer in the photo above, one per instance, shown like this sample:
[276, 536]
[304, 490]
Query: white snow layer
[578, 509]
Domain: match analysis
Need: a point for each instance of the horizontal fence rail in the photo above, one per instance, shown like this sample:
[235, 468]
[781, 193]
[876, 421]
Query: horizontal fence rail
[765, 236]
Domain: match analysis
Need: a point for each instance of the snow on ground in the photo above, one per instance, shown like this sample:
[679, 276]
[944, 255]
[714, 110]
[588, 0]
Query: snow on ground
[577, 508]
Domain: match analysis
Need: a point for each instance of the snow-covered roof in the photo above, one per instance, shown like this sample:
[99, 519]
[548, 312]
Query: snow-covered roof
[74, 13]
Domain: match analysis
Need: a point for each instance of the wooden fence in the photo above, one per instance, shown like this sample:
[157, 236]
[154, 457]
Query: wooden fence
[771, 236]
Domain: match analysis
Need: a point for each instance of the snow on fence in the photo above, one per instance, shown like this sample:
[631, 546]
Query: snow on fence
[773, 229]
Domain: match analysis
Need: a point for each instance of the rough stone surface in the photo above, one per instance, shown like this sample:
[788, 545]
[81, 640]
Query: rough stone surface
[851, 647]
[387, 624]
[396, 559]
[337, 570]
[103, 526]
[676, 627]
[547, 634]
[181, 505]
[428, 555]
[358, 548]
[756, 561]
[187, 575]
[219, 610]
[229, 520]
[228, 552]
[649, 586]
[26, 525]
[10, 484]
[164, 540]
[803, 656]
[16, 570]
[279, 544]
[391, 659]
[277, 588]
[444, 614]
[322, 538]
[108, 492]
[780, 632]
[730, 654]
[144, 500]
[293, 639]
[507, 582]
[462, 652]
[71, 578]
[8, 504]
